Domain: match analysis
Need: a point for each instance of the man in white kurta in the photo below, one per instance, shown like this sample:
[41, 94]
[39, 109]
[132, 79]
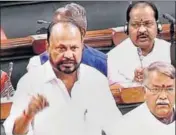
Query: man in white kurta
[127, 60]
[91, 102]
[156, 116]
[124, 59]
[141, 121]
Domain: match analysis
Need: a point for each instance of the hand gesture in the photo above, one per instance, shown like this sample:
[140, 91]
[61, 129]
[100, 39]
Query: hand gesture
[37, 104]
[139, 75]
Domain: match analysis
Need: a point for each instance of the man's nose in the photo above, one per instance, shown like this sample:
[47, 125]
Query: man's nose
[142, 29]
[163, 95]
[68, 54]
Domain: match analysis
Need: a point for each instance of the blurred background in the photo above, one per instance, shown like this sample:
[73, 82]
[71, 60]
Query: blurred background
[19, 19]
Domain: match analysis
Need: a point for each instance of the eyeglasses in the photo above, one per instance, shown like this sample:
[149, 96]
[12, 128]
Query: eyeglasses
[159, 90]
[147, 24]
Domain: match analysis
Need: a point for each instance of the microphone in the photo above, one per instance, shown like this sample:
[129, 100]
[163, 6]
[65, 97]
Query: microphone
[169, 18]
[140, 55]
[43, 21]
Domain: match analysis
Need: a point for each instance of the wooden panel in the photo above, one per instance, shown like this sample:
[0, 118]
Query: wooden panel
[5, 110]
[127, 95]
[132, 95]
[97, 38]
[94, 38]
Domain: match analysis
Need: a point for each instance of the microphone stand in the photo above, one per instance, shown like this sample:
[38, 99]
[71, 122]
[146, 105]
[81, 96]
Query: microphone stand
[172, 33]
[173, 43]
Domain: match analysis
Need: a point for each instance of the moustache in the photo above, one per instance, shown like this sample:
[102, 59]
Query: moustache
[68, 62]
[164, 102]
[142, 35]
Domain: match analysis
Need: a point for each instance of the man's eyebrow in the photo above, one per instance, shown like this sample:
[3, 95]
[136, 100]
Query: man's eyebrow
[60, 45]
[163, 85]
[136, 20]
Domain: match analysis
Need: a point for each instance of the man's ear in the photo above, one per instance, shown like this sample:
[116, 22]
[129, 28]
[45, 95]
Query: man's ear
[83, 44]
[47, 46]
[145, 93]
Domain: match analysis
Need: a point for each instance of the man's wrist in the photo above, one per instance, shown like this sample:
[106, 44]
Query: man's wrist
[27, 116]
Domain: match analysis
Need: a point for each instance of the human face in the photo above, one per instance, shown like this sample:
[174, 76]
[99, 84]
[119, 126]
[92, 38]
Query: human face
[65, 48]
[142, 27]
[160, 94]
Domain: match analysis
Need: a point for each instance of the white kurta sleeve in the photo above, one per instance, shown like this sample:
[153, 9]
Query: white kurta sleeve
[33, 63]
[20, 102]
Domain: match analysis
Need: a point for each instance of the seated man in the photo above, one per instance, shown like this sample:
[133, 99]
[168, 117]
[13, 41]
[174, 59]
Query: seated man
[127, 60]
[156, 116]
[63, 96]
[91, 56]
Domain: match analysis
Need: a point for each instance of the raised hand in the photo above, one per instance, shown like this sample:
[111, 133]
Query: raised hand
[37, 104]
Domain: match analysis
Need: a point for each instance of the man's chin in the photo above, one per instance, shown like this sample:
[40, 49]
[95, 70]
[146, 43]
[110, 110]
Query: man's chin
[162, 113]
[69, 71]
[144, 44]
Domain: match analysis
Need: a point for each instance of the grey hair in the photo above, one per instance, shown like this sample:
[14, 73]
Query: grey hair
[73, 13]
[161, 67]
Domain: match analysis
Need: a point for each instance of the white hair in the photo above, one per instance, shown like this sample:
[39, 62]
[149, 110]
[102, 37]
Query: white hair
[161, 67]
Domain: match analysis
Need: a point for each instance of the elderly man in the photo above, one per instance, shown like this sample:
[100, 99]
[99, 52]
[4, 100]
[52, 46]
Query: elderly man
[91, 56]
[61, 97]
[156, 116]
[127, 61]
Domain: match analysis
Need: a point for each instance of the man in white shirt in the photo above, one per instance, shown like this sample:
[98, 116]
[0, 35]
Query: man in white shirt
[63, 96]
[127, 60]
[156, 116]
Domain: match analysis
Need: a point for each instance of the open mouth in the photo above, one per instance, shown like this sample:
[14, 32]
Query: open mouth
[163, 104]
[143, 38]
[67, 64]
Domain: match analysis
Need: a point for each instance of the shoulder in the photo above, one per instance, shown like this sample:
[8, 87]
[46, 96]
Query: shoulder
[33, 62]
[95, 58]
[163, 46]
[92, 52]
[121, 48]
[162, 42]
[33, 77]
[91, 74]
[35, 59]
[134, 114]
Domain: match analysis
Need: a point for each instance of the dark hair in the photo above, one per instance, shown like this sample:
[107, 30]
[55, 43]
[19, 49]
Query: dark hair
[135, 4]
[70, 13]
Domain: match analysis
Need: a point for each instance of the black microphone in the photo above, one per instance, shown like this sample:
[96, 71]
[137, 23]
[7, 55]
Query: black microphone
[140, 56]
[169, 18]
[43, 21]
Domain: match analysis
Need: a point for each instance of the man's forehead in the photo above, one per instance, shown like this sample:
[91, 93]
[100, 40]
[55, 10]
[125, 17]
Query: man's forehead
[64, 28]
[63, 25]
[139, 13]
[157, 78]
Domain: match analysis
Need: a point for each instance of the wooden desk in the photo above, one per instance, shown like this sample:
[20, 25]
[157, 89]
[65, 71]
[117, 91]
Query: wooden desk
[5, 109]
[127, 95]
